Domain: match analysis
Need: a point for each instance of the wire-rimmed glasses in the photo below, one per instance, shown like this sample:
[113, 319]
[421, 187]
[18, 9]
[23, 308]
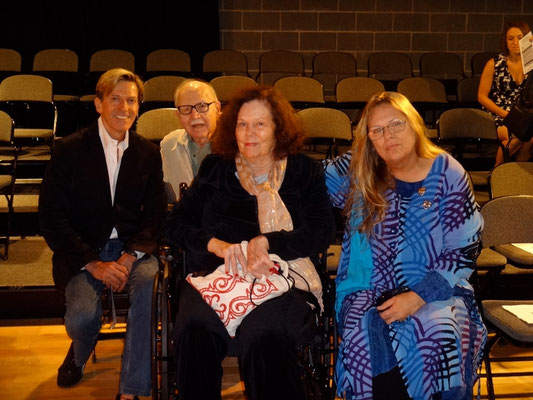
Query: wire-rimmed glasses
[394, 126]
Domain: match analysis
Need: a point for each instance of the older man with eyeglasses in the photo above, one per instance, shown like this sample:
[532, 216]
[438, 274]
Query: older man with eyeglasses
[183, 150]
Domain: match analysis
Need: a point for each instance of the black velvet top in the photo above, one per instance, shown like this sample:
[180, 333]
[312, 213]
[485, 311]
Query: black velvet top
[217, 206]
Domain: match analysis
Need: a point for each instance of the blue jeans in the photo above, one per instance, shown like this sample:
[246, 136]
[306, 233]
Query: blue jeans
[84, 311]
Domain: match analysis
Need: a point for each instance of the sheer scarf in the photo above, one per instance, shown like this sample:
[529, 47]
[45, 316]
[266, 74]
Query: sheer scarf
[274, 216]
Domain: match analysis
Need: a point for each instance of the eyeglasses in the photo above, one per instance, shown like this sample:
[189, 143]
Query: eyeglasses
[394, 126]
[200, 107]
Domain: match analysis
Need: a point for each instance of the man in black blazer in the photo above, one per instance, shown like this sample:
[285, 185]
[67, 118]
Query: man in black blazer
[101, 204]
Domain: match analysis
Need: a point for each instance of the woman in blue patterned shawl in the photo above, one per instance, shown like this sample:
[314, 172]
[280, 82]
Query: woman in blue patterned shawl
[408, 320]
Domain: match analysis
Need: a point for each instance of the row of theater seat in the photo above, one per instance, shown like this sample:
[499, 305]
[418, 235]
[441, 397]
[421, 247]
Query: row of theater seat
[67, 113]
[62, 66]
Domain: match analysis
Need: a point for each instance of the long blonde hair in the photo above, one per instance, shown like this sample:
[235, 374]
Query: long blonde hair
[370, 175]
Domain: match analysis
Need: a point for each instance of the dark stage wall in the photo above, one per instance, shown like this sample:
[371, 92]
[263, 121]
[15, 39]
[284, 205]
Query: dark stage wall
[91, 25]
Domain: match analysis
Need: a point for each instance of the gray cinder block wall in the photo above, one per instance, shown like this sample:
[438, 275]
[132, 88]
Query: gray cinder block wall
[361, 27]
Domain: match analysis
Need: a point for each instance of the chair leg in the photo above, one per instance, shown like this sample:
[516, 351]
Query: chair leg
[488, 369]
[10, 213]
[490, 384]
[507, 152]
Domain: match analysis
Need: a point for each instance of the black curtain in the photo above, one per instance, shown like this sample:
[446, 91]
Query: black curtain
[91, 25]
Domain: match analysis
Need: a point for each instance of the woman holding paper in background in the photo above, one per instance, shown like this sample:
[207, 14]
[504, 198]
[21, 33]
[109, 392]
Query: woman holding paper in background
[501, 82]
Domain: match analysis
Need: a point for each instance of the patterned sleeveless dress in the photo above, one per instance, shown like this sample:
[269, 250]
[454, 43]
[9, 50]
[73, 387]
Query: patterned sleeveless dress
[504, 90]
[428, 242]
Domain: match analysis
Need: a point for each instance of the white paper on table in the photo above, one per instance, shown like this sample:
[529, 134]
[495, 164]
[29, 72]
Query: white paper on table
[524, 246]
[526, 51]
[522, 311]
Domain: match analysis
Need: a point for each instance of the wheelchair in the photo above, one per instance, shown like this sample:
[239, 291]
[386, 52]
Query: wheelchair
[317, 358]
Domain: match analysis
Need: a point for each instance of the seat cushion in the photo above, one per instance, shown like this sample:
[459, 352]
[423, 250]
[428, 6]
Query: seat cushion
[66, 97]
[506, 321]
[33, 133]
[516, 255]
[88, 97]
[5, 180]
[489, 258]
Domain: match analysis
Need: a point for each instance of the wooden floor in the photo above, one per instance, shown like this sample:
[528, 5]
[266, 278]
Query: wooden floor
[30, 356]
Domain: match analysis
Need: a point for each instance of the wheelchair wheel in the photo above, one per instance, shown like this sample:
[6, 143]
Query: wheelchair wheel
[317, 359]
[320, 357]
[162, 379]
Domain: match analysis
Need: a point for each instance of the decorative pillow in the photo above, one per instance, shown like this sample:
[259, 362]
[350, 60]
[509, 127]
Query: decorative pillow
[233, 297]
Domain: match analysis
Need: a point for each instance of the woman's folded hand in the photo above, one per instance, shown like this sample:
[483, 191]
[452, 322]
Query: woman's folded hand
[259, 263]
[399, 307]
[231, 253]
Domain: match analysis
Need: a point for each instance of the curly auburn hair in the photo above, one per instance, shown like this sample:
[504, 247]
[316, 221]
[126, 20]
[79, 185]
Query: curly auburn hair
[288, 132]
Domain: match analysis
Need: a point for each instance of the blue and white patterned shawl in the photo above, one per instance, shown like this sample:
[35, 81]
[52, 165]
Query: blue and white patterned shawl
[428, 242]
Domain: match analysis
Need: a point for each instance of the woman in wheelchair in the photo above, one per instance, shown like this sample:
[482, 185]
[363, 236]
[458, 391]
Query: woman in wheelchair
[408, 321]
[255, 187]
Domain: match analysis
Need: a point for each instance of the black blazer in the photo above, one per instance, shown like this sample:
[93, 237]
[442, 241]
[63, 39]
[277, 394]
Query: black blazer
[76, 216]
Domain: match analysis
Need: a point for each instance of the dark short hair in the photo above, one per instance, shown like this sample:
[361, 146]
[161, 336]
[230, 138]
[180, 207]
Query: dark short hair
[288, 133]
[522, 25]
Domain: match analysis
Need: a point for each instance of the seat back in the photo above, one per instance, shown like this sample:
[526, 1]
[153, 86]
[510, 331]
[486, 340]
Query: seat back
[325, 127]
[329, 67]
[467, 92]
[159, 92]
[227, 85]
[441, 65]
[463, 125]
[301, 91]
[168, 60]
[428, 96]
[161, 88]
[55, 60]
[61, 67]
[321, 122]
[422, 90]
[275, 64]
[389, 67]
[28, 99]
[478, 61]
[334, 62]
[157, 123]
[357, 89]
[226, 61]
[507, 220]
[466, 123]
[512, 178]
[352, 94]
[103, 60]
[10, 60]
[6, 128]
[10, 63]
[26, 88]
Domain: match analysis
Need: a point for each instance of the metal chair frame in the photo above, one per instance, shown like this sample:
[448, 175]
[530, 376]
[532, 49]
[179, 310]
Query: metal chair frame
[500, 229]
[8, 161]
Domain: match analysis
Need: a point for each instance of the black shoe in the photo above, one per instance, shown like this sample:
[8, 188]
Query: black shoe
[69, 373]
